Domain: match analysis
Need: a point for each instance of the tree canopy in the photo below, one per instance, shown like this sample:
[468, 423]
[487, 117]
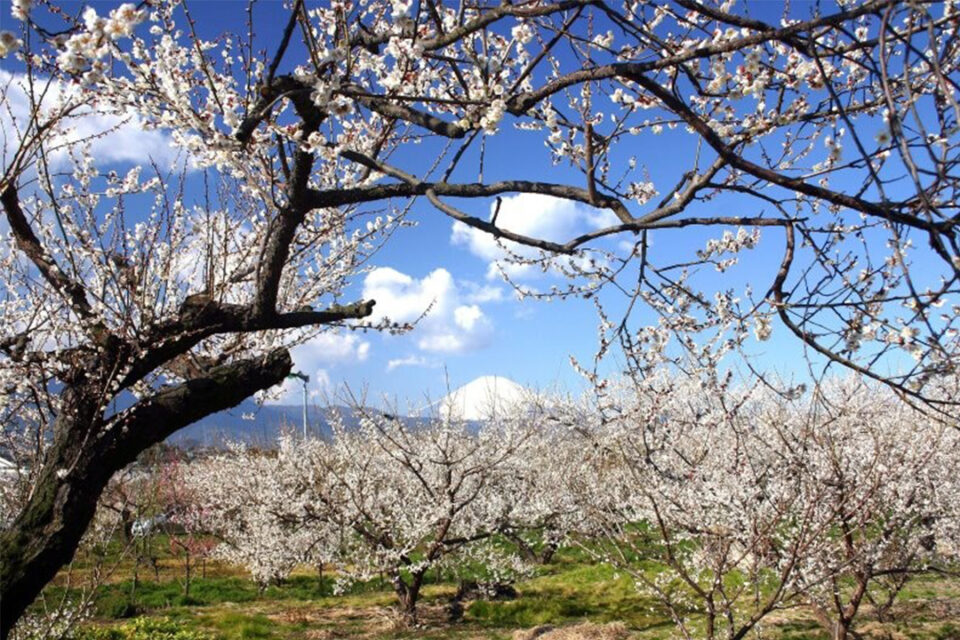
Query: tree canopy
[135, 304]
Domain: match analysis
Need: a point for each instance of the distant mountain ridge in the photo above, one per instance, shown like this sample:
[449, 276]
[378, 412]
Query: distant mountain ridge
[253, 424]
[258, 425]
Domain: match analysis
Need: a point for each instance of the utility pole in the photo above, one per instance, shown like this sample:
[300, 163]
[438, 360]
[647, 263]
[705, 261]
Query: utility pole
[305, 379]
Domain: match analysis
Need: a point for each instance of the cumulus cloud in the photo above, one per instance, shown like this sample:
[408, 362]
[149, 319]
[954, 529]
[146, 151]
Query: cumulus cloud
[480, 293]
[114, 138]
[450, 321]
[534, 215]
[331, 348]
[315, 358]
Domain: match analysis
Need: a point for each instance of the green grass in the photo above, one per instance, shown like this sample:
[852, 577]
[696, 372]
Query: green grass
[144, 629]
[153, 595]
[226, 605]
[241, 626]
[572, 593]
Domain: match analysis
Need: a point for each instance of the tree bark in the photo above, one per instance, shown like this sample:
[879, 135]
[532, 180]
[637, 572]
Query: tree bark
[87, 450]
[408, 594]
[549, 549]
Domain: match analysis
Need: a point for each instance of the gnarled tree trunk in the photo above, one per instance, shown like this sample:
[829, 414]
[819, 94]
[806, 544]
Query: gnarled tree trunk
[88, 448]
[408, 592]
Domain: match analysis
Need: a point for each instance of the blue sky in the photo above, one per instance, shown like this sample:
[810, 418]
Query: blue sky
[477, 326]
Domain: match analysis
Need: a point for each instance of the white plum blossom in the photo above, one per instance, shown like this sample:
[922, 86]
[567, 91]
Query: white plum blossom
[9, 43]
[123, 20]
[740, 481]
[642, 192]
[762, 328]
[20, 9]
[374, 496]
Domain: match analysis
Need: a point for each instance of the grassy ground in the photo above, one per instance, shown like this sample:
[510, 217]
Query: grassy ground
[225, 605]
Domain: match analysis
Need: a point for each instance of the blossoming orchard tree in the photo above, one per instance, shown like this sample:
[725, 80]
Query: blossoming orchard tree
[386, 498]
[754, 501]
[414, 495]
[257, 505]
[135, 304]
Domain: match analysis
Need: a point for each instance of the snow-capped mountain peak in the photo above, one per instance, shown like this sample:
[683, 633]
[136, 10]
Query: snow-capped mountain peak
[483, 398]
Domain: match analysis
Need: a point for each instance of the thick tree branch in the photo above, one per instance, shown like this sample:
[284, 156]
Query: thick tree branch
[341, 197]
[284, 227]
[158, 416]
[299, 93]
[372, 42]
[201, 318]
[388, 109]
[284, 41]
[48, 530]
[29, 243]
[702, 8]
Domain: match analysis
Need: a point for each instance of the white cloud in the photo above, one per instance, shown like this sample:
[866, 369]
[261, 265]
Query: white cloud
[531, 214]
[314, 358]
[412, 361]
[114, 138]
[467, 318]
[324, 387]
[449, 323]
[478, 294]
[331, 348]
[319, 389]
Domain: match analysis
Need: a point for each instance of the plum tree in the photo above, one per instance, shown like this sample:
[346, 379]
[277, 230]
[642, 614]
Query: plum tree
[133, 307]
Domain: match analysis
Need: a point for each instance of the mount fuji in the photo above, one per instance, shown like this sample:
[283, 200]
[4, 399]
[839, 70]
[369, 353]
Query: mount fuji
[474, 402]
[483, 398]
